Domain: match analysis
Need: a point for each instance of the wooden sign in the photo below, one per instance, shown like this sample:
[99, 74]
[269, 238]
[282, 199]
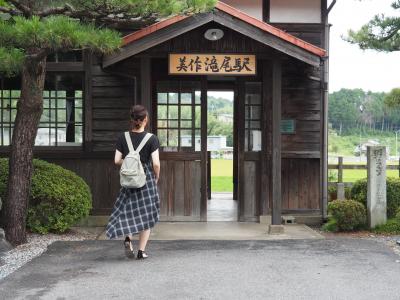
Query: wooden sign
[212, 64]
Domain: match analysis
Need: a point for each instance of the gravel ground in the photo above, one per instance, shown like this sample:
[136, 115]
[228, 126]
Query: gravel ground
[391, 241]
[37, 244]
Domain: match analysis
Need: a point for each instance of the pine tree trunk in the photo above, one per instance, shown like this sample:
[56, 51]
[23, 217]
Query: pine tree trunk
[29, 111]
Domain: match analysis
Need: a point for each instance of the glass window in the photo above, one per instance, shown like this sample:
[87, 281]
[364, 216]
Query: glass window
[178, 112]
[253, 109]
[61, 123]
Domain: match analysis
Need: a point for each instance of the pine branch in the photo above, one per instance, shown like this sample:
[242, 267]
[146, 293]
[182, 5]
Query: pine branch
[10, 11]
[389, 35]
[25, 10]
[55, 11]
[102, 16]
[11, 60]
[38, 54]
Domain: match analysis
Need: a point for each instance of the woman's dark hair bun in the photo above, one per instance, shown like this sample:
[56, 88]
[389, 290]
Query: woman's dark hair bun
[138, 114]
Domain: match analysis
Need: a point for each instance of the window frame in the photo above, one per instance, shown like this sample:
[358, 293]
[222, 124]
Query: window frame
[178, 87]
[78, 148]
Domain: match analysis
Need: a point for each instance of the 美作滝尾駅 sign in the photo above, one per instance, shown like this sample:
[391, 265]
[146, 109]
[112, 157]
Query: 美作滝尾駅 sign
[209, 64]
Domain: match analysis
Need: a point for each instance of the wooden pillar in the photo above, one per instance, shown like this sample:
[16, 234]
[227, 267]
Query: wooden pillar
[204, 198]
[276, 142]
[324, 67]
[266, 10]
[88, 102]
[265, 140]
[145, 88]
[241, 88]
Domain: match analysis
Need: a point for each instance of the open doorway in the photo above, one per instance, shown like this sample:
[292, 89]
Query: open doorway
[220, 145]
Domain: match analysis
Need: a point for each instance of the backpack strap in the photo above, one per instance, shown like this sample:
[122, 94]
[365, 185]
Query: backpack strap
[143, 142]
[129, 142]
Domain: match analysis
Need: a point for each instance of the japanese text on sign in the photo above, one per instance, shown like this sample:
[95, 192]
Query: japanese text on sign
[207, 64]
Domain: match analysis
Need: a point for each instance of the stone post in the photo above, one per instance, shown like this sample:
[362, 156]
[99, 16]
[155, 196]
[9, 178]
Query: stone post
[341, 194]
[376, 194]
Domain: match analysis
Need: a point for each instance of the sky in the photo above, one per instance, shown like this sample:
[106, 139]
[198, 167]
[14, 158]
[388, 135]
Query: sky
[351, 67]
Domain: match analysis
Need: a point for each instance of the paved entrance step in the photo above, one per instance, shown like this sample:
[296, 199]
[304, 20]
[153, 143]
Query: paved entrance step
[219, 231]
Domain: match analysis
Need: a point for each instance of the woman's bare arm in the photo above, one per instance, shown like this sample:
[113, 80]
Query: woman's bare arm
[155, 157]
[118, 158]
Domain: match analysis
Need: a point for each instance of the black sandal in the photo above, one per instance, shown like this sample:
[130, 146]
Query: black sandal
[141, 255]
[129, 253]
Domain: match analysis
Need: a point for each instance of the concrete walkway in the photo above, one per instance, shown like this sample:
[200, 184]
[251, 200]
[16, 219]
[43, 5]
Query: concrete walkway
[224, 231]
[289, 269]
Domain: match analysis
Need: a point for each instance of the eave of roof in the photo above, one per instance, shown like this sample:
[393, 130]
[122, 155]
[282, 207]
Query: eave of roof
[137, 35]
[270, 29]
[237, 14]
[225, 15]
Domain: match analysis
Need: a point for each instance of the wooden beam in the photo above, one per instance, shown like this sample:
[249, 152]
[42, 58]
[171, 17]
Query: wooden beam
[276, 162]
[324, 12]
[146, 89]
[204, 198]
[88, 102]
[266, 10]
[65, 66]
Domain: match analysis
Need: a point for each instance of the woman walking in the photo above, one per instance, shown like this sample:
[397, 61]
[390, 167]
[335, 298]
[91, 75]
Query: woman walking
[137, 209]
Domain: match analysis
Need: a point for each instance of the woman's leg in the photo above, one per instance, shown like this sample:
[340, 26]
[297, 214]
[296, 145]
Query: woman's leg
[130, 239]
[143, 238]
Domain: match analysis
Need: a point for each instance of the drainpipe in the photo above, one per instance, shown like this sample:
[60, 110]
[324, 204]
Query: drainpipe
[325, 95]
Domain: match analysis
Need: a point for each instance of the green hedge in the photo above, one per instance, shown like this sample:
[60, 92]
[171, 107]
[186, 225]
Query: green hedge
[359, 193]
[59, 198]
[346, 215]
[392, 226]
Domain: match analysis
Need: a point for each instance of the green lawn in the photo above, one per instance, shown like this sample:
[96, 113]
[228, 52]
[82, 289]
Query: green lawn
[354, 175]
[221, 175]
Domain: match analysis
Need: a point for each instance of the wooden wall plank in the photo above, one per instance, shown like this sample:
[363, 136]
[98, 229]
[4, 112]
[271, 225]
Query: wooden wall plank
[179, 188]
[196, 188]
[301, 178]
[188, 205]
[163, 188]
[250, 191]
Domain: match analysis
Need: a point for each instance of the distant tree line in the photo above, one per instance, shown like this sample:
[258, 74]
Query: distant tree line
[351, 109]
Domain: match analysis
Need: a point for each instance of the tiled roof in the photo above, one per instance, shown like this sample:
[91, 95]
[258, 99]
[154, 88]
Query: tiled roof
[221, 6]
[270, 29]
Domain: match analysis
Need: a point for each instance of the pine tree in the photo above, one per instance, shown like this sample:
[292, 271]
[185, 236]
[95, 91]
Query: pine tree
[382, 33]
[30, 31]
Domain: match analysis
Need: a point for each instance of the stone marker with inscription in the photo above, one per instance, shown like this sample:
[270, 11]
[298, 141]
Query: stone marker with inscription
[376, 195]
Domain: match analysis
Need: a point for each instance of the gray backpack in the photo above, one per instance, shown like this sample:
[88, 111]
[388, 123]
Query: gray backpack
[132, 174]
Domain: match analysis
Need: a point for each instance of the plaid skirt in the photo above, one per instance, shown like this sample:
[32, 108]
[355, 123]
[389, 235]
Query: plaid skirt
[135, 209]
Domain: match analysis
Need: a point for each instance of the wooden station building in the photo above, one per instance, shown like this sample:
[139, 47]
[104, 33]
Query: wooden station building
[270, 53]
